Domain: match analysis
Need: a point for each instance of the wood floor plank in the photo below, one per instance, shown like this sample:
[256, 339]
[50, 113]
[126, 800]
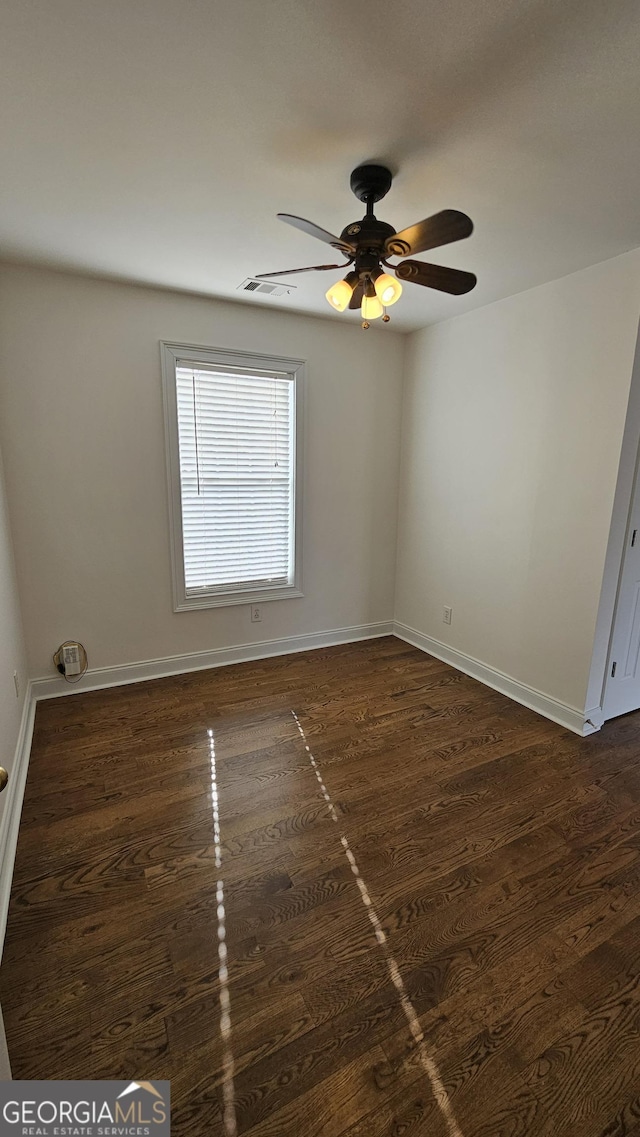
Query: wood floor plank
[499, 853]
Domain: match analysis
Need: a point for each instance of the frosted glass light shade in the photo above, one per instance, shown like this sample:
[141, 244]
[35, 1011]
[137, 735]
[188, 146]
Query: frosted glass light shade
[388, 289]
[341, 292]
[371, 308]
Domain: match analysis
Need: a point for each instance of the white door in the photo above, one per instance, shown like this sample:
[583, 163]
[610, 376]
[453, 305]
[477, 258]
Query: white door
[622, 690]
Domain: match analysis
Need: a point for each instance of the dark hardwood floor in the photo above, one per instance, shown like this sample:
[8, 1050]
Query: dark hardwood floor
[489, 855]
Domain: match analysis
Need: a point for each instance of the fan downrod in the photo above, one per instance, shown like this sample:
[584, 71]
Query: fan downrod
[371, 183]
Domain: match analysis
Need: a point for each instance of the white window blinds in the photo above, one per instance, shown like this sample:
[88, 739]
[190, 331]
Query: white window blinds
[237, 472]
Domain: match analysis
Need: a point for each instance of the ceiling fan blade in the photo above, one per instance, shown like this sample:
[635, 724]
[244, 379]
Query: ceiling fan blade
[356, 299]
[452, 280]
[289, 271]
[316, 231]
[441, 229]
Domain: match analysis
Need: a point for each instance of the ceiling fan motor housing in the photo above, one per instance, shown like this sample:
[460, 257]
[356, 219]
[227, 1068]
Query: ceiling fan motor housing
[368, 235]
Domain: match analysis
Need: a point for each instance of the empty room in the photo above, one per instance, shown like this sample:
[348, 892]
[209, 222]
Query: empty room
[319, 568]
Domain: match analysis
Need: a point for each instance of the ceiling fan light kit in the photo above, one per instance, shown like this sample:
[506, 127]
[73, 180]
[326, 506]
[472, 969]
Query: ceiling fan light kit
[367, 245]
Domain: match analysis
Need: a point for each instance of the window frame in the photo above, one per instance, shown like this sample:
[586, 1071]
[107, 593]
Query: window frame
[172, 355]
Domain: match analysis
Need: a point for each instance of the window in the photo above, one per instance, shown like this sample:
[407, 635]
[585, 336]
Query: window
[233, 424]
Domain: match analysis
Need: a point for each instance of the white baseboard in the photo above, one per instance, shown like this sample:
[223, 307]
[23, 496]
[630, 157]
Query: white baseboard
[10, 822]
[570, 717]
[100, 677]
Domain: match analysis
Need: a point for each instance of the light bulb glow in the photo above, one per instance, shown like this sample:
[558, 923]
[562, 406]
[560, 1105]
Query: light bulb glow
[388, 290]
[341, 292]
[371, 308]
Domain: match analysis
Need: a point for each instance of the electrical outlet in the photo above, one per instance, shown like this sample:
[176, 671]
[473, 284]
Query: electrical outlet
[256, 614]
[447, 614]
[71, 659]
[16, 683]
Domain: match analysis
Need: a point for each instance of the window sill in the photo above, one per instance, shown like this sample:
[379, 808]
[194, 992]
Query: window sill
[226, 599]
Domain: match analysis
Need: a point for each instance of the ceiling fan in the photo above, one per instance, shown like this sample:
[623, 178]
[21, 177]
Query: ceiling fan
[367, 245]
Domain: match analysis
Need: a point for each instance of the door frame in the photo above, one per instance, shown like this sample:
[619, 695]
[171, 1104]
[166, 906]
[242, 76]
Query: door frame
[616, 546]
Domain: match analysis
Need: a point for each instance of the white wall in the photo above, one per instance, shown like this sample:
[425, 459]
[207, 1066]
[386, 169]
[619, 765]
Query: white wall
[12, 651]
[513, 423]
[512, 431]
[82, 427]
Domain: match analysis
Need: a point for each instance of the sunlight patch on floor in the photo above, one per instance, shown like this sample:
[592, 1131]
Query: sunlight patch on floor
[228, 1091]
[428, 1064]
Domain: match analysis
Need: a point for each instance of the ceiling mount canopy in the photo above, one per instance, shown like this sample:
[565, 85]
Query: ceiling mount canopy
[367, 244]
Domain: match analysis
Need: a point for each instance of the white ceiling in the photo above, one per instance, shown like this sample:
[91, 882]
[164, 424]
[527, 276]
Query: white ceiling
[155, 140]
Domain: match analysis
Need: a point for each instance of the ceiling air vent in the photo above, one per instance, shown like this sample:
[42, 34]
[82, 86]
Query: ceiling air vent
[266, 287]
